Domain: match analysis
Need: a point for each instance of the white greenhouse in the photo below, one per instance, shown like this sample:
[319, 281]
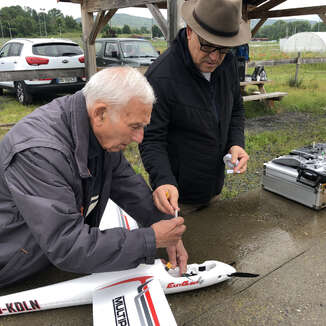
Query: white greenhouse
[304, 42]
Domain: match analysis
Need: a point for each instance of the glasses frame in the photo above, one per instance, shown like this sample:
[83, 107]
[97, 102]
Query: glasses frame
[207, 48]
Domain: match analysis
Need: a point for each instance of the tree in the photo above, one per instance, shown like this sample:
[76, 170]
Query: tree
[144, 30]
[319, 27]
[156, 32]
[109, 31]
[70, 23]
[126, 29]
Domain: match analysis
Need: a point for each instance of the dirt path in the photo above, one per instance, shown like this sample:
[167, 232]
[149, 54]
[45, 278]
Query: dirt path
[280, 121]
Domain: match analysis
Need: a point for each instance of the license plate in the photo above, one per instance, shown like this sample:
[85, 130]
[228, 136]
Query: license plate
[66, 80]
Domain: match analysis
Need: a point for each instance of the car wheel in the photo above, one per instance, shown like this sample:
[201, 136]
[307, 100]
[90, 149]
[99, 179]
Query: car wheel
[1, 91]
[23, 96]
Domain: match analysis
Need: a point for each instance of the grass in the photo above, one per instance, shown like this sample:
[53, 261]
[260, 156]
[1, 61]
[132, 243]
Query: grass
[308, 98]
[264, 146]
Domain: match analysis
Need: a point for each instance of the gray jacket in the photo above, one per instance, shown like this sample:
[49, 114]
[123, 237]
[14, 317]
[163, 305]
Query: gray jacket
[43, 160]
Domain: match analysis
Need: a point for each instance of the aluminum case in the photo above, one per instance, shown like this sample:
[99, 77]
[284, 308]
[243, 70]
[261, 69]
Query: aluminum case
[286, 181]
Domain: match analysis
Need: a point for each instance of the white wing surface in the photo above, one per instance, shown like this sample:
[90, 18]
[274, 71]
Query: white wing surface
[134, 301]
[116, 217]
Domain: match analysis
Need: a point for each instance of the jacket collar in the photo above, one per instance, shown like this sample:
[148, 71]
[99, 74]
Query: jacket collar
[80, 131]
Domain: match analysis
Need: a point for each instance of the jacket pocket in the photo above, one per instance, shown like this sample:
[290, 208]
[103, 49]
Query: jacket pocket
[23, 263]
[9, 272]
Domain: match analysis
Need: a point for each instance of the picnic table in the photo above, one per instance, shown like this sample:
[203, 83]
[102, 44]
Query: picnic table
[261, 95]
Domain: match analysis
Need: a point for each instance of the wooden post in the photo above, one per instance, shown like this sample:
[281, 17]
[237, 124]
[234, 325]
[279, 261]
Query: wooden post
[323, 17]
[89, 49]
[180, 22]
[297, 68]
[156, 13]
[172, 20]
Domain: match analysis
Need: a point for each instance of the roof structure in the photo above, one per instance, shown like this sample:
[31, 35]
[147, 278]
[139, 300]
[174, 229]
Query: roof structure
[305, 42]
[105, 9]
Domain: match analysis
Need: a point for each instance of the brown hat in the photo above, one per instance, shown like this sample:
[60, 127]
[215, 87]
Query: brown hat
[217, 21]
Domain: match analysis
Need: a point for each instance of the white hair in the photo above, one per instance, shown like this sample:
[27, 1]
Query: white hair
[116, 86]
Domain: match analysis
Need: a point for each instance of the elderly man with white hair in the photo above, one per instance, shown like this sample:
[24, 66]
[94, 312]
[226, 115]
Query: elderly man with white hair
[59, 166]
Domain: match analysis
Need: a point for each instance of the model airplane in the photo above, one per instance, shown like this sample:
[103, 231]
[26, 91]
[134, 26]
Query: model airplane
[131, 297]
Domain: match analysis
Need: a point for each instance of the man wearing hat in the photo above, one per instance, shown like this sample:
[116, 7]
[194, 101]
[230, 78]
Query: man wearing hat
[199, 116]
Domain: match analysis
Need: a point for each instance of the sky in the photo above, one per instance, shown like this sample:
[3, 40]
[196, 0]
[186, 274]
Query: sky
[73, 9]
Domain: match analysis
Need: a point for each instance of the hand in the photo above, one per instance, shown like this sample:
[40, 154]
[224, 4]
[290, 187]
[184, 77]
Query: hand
[238, 153]
[168, 232]
[178, 256]
[166, 199]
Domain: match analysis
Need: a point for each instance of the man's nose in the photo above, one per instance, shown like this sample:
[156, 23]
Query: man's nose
[215, 55]
[138, 136]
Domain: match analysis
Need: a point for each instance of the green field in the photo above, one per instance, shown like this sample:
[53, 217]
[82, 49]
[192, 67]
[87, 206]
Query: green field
[308, 98]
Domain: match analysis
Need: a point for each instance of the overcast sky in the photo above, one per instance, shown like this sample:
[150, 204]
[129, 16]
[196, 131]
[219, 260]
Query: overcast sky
[73, 9]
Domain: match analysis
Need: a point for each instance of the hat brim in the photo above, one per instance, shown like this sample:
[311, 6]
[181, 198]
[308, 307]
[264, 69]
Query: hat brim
[243, 36]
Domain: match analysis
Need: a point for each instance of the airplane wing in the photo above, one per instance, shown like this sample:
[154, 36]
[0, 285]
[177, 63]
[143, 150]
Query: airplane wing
[136, 301]
[115, 217]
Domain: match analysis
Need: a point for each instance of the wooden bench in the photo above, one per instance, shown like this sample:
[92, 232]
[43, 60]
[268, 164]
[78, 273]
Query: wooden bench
[268, 98]
[276, 96]
[260, 84]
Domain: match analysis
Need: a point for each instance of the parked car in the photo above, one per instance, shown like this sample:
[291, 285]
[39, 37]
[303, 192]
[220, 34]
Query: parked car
[33, 54]
[124, 51]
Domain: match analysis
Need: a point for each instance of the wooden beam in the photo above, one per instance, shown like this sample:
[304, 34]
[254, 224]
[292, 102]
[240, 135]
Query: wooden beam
[268, 5]
[100, 21]
[89, 49]
[285, 62]
[161, 21]
[73, 1]
[41, 73]
[323, 17]
[96, 26]
[98, 5]
[172, 20]
[288, 12]
[245, 11]
[257, 26]
[256, 2]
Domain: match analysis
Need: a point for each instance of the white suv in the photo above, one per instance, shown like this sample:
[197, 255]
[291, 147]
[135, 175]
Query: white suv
[33, 54]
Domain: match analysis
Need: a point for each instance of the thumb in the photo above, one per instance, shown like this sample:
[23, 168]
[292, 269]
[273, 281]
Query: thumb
[234, 157]
[174, 203]
[178, 220]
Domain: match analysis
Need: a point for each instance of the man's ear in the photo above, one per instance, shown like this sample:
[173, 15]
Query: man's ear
[98, 113]
[189, 32]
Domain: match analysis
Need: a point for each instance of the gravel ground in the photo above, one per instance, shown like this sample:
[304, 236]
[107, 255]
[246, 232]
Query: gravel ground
[280, 121]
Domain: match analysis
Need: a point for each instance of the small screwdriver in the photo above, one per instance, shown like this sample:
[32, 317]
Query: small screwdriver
[167, 194]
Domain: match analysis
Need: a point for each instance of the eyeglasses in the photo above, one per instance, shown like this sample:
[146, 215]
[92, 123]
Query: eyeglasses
[207, 48]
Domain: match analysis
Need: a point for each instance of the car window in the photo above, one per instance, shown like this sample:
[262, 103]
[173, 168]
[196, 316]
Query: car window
[98, 47]
[57, 49]
[5, 51]
[136, 49]
[109, 48]
[15, 49]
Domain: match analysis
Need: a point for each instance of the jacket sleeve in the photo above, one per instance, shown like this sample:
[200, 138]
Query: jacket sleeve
[153, 149]
[130, 191]
[42, 190]
[236, 130]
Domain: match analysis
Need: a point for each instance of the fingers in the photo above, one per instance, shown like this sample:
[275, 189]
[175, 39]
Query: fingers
[182, 257]
[168, 232]
[178, 256]
[238, 153]
[166, 199]
[241, 167]
[182, 263]
[172, 254]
